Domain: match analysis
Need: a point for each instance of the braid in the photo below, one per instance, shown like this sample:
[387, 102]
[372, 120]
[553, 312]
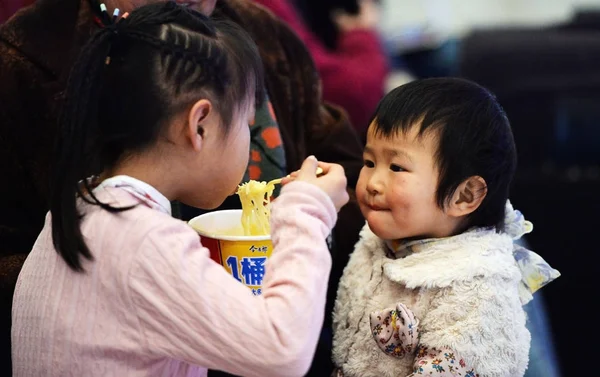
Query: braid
[195, 56]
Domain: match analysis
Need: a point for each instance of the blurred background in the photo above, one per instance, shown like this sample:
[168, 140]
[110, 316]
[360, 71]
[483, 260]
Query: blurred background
[540, 57]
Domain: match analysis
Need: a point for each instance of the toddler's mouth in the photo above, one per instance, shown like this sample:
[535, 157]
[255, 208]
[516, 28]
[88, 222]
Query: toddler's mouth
[374, 207]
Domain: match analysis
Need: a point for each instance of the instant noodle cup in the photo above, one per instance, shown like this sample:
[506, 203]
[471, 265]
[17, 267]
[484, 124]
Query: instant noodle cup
[244, 257]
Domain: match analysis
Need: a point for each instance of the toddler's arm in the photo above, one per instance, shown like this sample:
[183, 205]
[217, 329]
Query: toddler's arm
[396, 332]
[479, 321]
[191, 309]
[441, 362]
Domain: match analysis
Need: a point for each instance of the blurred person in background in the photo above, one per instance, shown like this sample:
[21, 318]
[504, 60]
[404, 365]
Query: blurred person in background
[9, 7]
[354, 66]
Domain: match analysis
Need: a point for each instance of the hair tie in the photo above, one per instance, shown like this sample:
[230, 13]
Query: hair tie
[115, 15]
[107, 21]
[111, 25]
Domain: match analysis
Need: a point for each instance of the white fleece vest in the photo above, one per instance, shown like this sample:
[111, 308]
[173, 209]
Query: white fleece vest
[464, 290]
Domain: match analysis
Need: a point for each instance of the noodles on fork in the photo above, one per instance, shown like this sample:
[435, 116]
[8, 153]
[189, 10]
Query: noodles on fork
[256, 207]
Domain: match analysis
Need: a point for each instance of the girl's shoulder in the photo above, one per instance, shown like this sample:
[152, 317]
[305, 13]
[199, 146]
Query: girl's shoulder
[139, 221]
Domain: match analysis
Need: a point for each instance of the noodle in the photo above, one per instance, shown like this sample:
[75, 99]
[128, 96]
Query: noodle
[256, 207]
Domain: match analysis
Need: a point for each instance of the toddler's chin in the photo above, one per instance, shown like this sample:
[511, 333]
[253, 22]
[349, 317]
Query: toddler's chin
[379, 228]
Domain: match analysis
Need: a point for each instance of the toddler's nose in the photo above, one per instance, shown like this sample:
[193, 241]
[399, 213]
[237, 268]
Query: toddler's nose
[374, 186]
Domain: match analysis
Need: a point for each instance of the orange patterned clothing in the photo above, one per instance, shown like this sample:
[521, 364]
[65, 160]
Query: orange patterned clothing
[267, 156]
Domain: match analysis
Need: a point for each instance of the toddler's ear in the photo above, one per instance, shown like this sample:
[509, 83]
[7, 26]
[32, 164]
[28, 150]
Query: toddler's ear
[468, 196]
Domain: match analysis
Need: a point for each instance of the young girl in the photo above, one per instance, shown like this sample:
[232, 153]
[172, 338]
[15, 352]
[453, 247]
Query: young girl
[435, 286]
[158, 105]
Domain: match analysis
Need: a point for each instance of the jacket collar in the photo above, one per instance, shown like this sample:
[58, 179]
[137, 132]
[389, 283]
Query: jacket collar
[439, 264]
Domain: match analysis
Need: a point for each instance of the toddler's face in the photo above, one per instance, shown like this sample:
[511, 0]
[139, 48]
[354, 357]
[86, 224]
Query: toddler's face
[397, 186]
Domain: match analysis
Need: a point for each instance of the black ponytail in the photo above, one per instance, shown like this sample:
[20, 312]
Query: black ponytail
[128, 81]
[73, 139]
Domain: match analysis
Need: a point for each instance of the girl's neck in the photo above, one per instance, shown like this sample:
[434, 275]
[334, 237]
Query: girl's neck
[147, 170]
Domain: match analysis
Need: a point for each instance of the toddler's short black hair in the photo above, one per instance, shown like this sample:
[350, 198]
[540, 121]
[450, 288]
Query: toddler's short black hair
[475, 138]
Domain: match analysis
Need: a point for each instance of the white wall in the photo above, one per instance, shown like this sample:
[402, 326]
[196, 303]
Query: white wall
[455, 17]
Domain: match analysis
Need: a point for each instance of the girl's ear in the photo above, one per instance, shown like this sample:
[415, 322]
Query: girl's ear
[468, 197]
[199, 123]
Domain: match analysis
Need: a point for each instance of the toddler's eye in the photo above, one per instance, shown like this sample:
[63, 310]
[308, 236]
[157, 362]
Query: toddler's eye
[369, 164]
[396, 168]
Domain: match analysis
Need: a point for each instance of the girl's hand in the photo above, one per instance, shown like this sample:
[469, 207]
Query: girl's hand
[332, 181]
[396, 331]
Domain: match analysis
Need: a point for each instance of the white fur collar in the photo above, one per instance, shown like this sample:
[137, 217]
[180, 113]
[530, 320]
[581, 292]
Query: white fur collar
[478, 252]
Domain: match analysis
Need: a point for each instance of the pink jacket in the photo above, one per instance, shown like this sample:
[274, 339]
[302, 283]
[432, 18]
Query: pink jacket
[153, 303]
[354, 75]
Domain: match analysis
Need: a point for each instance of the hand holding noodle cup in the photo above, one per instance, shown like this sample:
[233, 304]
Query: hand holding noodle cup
[240, 240]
